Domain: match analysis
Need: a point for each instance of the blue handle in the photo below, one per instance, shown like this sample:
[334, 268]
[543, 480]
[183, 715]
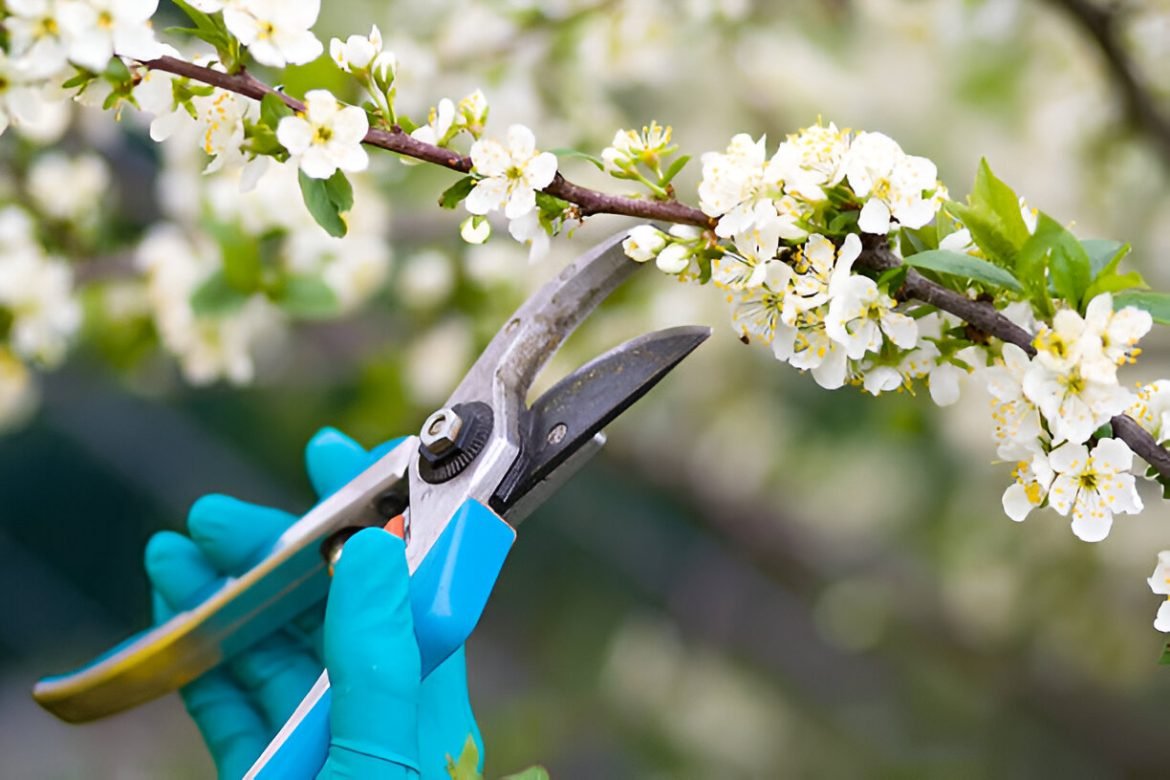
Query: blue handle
[448, 592]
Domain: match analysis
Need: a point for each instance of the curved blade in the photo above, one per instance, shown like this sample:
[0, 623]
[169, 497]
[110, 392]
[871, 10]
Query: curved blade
[568, 415]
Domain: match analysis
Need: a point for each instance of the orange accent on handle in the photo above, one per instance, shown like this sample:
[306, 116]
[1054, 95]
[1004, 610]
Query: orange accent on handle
[397, 526]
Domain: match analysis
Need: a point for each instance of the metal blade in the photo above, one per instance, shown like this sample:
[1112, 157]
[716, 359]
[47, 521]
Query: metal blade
[580, 405]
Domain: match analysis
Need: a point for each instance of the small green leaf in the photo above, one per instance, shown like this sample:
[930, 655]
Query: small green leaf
[1104, 257]
[273, 109]
[1104, 254]
[319, 198]
[581, 155]
[454, 195]
[1165, 659]
[892, 279]
[674, 169]
[843, 223]
[467, 767]
[1069, 267]
[308, 297]
[965, 266]
[340, 191]
[217, 297]
[997, 198]
[1157, 304]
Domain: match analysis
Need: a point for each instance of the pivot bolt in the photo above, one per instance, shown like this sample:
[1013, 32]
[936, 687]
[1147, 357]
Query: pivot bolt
[441, 431]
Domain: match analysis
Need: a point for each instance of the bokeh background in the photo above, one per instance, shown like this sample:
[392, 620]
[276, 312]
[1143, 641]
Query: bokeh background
[757, 578]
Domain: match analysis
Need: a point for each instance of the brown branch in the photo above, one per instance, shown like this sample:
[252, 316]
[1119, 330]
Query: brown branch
[1100, 24]
[876, 256]
[588, 201]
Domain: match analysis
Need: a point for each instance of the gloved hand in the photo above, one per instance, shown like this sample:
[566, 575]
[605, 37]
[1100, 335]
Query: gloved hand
[384, 722]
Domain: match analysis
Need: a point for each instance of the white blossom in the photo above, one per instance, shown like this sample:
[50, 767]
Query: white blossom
[1073, 404]
[732, 183]
[37, 36]
[357, 52]
[1159, 583]
[1151, 409]
[674, 259]
[1016, 417]
[528, 231]
[1033, 478]
[511, 174]
[97, 29]
[326, 137]
[20, 98]
[894, 183]
[1093, 486]
[809, 161]
[438, 127]
[37, 292]
[756, 311]
[475, 229]
[859, 313]
[276, 32]
[630, 147]
[758, 243]
[1116, 334]
[644, 243]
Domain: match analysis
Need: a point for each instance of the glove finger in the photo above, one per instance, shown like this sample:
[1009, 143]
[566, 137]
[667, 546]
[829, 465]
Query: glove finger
[179, 571]
[234, 535]
[371, 652]
[234, 732]
[277, 672]
[445, 716]
[332, 459]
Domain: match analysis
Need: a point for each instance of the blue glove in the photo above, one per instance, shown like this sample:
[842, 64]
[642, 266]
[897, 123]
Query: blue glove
[384, 722]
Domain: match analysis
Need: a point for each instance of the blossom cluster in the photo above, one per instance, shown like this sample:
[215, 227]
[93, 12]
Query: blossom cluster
[1048, 409]
[38, 310]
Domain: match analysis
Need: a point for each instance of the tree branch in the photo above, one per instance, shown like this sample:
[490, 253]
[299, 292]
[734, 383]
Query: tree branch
[1100, 24]
[876, 255]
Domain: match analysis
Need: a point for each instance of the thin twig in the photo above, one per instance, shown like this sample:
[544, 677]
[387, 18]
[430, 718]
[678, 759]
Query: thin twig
[876, 255]
[1100, 24]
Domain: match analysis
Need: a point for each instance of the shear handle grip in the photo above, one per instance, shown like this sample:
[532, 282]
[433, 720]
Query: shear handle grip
[448, 592]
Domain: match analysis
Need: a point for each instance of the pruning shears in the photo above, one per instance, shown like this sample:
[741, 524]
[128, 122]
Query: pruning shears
[456, 493]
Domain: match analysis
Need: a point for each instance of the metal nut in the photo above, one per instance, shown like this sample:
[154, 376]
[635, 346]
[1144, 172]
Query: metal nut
[440, 431]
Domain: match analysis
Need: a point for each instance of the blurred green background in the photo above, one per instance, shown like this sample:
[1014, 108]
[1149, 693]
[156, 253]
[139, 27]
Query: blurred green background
[757, 578]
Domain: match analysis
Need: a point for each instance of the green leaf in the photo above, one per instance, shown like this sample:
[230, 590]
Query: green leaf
[308, 297]
[340, 191]
[1069, 267]
[998, 199]
[845, 222]
[532, 773]
[325, 198]
[1104, 254]
[964, 266]
[1104, 257]
[1157, 304]
[892, 279]
[454, 195]
[217, 297]
[674, 169]
[564, 152]
[1165, 659]
[467, 767]
[987, 233]
[273, 109]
